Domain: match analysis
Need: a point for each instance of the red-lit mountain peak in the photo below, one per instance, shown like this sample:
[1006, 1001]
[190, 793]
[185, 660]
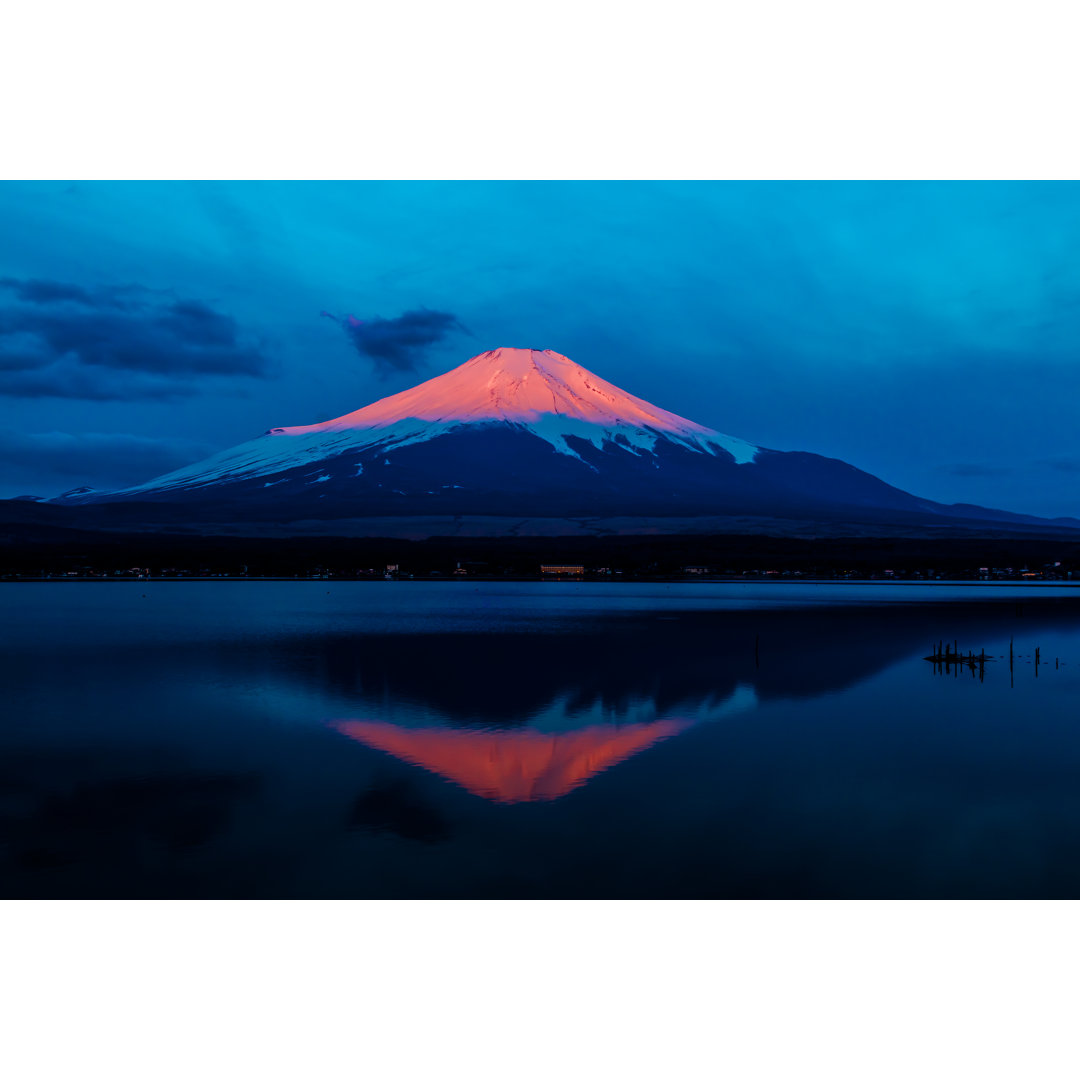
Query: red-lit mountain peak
[512, 384]
[527, 396]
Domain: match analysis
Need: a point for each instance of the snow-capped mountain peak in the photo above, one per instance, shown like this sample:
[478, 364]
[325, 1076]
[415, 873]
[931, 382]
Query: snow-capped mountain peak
[516, 435]
[516, 385]
[536, 391]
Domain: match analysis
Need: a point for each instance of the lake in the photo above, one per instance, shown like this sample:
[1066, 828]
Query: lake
[318, 739]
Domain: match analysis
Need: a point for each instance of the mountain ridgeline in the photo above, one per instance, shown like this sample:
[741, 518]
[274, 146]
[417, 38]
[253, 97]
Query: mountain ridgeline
[528, 434]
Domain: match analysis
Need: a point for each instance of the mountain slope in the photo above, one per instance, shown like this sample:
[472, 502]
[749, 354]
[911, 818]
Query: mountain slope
[515, 432]
[523, 390]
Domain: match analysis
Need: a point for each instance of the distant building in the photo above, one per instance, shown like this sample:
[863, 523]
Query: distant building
[562, 570]
[470, 566]
[696, 570]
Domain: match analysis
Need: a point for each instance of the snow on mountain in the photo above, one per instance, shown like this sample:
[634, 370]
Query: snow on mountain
[538, 391]
[524, 433]
[542, 389]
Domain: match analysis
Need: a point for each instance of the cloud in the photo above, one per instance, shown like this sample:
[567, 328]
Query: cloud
[399, 344]
[56, 460]
[974, 469]
[22, 377]
[62, 340]
[36, 291]
[197, 324]
[1064, 464]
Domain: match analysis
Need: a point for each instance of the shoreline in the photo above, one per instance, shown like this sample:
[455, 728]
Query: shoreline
[520, 579]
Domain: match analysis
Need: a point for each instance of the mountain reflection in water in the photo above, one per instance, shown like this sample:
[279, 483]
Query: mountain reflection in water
[480, 710]
[513, 766]
[531, 764]
[531, 718]
[285, 740]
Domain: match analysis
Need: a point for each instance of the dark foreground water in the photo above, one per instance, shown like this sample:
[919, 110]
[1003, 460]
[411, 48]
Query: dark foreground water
[405, 739]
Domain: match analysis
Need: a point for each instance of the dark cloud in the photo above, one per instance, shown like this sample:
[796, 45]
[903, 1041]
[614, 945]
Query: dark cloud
[1064, 464]
[399, 344]
[974, 469]
[36, 291]
[58, 460]
[62, 340]
[24, 377]
[197, 324]
[46, 292]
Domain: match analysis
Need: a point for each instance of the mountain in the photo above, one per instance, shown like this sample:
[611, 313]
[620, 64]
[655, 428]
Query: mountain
[527, 433]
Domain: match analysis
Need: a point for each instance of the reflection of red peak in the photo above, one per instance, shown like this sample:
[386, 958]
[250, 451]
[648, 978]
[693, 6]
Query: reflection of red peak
[513, 766]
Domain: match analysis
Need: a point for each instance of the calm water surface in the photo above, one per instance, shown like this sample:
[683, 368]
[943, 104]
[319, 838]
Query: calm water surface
[408, 739]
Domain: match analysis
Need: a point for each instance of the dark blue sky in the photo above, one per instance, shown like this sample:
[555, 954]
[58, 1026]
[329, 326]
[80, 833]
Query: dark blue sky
[926, 332]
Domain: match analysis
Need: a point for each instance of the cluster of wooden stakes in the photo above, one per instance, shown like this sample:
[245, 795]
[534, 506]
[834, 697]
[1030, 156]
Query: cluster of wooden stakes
[944, 658]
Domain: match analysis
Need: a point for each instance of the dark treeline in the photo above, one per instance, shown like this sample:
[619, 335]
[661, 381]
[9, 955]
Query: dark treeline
[648, 556]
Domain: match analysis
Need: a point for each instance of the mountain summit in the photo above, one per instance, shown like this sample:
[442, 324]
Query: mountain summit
[526, 433]
[529, 387]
